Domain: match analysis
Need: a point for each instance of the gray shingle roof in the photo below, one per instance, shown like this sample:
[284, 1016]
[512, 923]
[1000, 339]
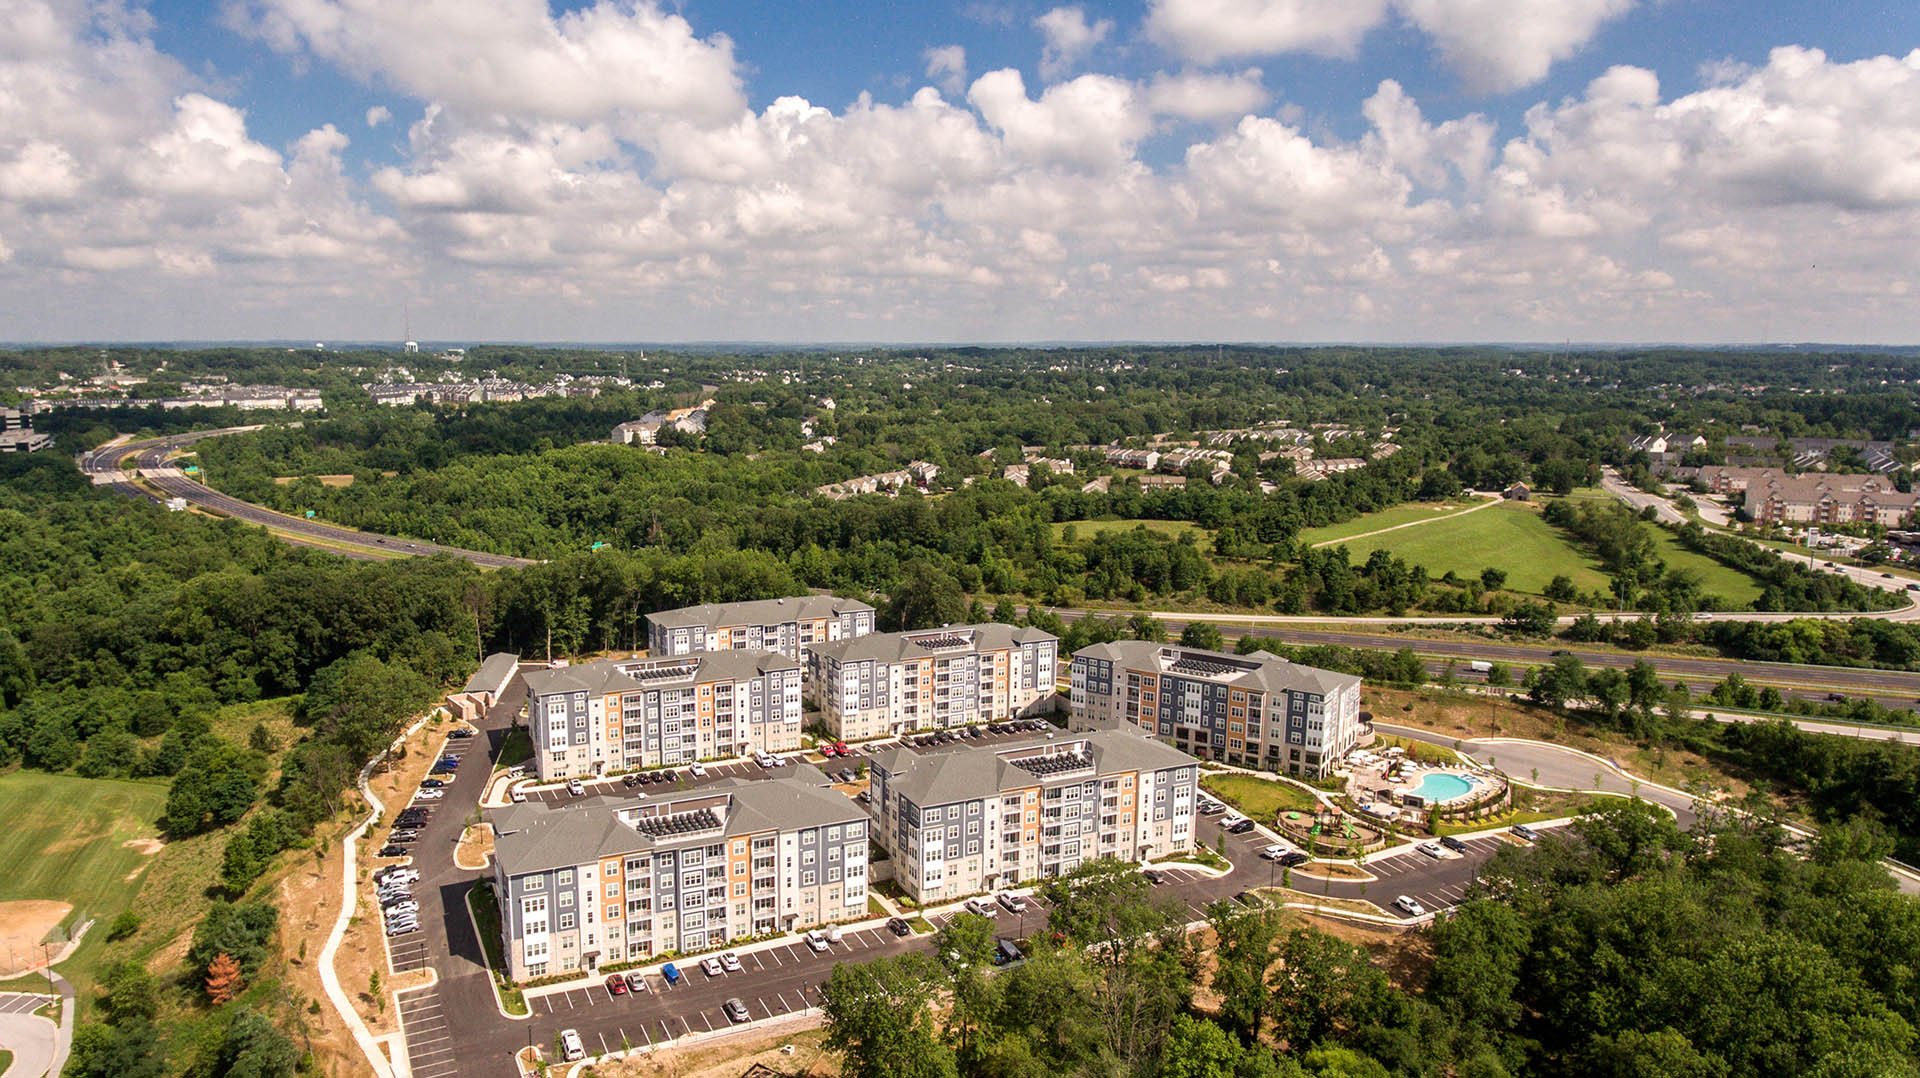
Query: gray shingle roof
[494, 673]
[538, 837]
[756, 612]
[627, 675]
[1259, 670]
[895, 647]
[942, 778]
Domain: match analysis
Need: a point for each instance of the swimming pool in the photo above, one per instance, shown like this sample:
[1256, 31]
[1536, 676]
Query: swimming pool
[1438, 787]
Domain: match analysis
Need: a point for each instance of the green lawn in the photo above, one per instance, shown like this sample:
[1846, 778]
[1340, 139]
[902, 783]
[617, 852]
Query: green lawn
[1261, 799]
[1385, 518]
[1087, 529]
[1509, 536]
[67, 840]
[1734, 587]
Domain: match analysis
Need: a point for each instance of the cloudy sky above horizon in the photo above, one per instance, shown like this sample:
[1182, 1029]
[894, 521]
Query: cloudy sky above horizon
[974, 170]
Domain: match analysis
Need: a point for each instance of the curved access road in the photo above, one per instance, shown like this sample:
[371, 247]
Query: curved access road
[149, 456]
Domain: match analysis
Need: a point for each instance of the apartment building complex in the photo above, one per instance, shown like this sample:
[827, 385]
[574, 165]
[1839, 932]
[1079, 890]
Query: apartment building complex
[1257, 710]
[618, 715]
[616, 880]
[788, 625]
[977, 819]
[895, 683]
[1820, 498]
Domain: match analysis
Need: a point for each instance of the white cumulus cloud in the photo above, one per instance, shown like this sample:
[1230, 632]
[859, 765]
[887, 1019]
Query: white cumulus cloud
[1069, 38]
[1500, 45]
[1206, 31]
[1193, 95]
[947, 66]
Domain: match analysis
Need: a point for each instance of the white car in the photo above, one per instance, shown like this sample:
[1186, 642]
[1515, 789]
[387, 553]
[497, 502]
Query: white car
[730, 962]
[571, 1045]
[1014, 903]
[817, 940]
[406, 908]
[517, 796]
[698, 771]
[980, 906]
[429, 795]
[397, 875]
[1408, 906]
[1433, 850]
[576, 787]
[1230, 819]
[1275, 852]
[834, 935]
[712, 966]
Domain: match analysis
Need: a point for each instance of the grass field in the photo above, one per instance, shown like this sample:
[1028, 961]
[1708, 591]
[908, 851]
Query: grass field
[1260, 799]
[1731, 585]
[1385, 518]
[1087, 529]
[66, 839]
[1511, 537]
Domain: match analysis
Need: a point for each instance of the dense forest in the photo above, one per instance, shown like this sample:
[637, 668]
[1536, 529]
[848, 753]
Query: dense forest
[1621, 946]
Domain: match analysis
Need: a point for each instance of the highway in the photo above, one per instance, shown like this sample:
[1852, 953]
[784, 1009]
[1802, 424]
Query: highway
[150, 455]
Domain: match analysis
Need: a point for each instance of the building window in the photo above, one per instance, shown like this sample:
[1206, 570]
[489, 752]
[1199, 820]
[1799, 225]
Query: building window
[534, 883]
[566, 921]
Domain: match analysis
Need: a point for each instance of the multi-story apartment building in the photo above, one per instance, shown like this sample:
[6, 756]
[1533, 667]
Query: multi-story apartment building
[1819, 498]
[1257, 710]
[615, 880]
[977, 819]
[788, 626]
[895, 683]
[620, 714]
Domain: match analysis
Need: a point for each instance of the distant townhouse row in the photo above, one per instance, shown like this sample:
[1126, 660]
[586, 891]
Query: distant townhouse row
[618, 715]
[979, 819]
[895, 683]
[786, 625]
[609, 881]
[1257, 710]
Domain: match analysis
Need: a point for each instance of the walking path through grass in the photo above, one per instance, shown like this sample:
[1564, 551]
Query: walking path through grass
[1408, 524]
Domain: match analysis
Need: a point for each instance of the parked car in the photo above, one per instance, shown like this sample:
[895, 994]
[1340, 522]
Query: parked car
[401, 930]
[616, 985]
[840, 747]
[671, 973]
[397, 872]
[1241, 827]
[1230, 819]
[429, 795]
[865, 797]
[432, 784]
[404, 908]
[730, 962]
[1432, 849]
[1521, 830]
[697, 771]
[629, 781]
[899, 926]
[736, 1010]
[391, 850]
[1012, 902]
[1005, 951]
[980, 906]
[1249, 898]
[817, 940]
[712, 967]
[1154, 876]
[576, 787]
[848, 774]
[1274, 852]
[1408, 906]
[1293, 859]
[1454, 844]
[517, 795]
[571, 1046]
[459, 733]
[637, 981]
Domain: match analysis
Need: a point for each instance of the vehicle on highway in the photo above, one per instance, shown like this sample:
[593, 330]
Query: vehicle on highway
[736, 1010]
[671, 973]
[576, 787]
[616, 985]
[571, 1046]
[980, 906]
[712, 967]
[1886, 576]
[899, 926]
[1521, 830]
[1454, 844]
[817, 940]
[1432, 849]
[1837, 697]
[1408, 906]
[730, 962]
[637, 981]
[1239, 828]
[1013, 903]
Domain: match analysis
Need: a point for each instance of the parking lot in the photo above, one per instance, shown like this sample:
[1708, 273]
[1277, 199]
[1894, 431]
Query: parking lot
[407, 953]
[430, 1045]
[1415, 874]
[21, 1002]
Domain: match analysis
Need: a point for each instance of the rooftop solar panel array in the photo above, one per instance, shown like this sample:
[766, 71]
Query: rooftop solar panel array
[1205, 667]
[1055, 764]
[942, 640]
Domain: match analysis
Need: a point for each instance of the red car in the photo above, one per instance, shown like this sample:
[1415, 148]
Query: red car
[840, 749]
[829, 751]
[617, 985]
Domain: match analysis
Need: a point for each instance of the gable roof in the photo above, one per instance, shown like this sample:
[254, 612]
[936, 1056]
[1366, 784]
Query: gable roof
[757, 612]
[922, 643]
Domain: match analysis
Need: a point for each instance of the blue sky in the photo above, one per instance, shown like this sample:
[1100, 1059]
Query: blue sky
[1167, 169]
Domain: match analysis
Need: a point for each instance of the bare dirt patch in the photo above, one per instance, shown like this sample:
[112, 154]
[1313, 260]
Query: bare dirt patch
[24, 923]
[732, 1056]
[325, 480]
[148, 846]
[476, 846]
[1339, 870]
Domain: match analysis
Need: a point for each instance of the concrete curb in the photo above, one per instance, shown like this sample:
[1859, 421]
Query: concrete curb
[493, 981]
